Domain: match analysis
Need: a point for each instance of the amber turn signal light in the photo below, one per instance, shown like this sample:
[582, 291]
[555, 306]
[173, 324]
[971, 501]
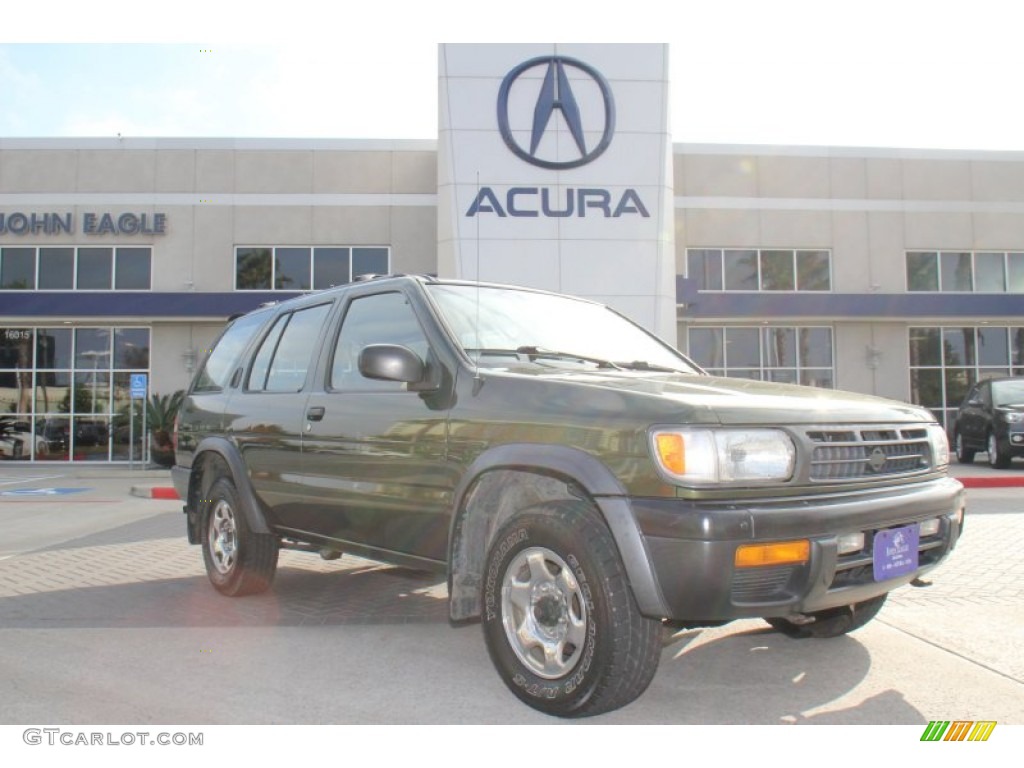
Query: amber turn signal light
[778, 553]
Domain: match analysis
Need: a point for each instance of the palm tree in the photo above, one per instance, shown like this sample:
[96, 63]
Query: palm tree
[161, 410]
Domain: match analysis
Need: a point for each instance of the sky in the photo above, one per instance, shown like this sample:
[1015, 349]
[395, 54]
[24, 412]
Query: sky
[889, 73]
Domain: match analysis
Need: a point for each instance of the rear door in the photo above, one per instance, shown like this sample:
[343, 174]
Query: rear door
[267, 414]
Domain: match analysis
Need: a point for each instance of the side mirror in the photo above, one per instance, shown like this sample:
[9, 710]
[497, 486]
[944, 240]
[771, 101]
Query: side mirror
[391, 362]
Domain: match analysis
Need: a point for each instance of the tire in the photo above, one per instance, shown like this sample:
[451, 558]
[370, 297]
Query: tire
[238, 561]
[964, 454]
[997, 459]
[833, 622]
[560, 620]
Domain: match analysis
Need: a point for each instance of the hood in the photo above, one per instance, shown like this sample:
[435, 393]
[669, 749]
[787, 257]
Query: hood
[714, 399]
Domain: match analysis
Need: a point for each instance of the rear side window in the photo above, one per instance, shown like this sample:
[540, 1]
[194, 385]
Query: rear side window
[286, 353]
[216, 371]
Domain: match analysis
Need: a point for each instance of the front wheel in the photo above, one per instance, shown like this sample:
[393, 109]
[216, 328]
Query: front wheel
[964, 454]
[997, 458]
[560, 621]
[238, 561]
[833, 622]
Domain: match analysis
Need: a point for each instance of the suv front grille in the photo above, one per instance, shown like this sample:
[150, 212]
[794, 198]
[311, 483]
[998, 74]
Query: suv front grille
[866, 453]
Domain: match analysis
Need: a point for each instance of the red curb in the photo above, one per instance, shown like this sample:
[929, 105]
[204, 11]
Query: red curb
[163, 493]
[992, 482]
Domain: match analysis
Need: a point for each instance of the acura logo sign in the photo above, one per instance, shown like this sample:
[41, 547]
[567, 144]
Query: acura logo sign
[560, 77]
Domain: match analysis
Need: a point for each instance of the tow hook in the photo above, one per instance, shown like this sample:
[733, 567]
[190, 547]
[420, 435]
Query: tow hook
[919, 582]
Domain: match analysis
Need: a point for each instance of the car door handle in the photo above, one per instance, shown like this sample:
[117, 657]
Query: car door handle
[316, 413]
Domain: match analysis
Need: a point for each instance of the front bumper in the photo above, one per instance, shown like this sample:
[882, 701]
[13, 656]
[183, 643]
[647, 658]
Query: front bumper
[692, 548]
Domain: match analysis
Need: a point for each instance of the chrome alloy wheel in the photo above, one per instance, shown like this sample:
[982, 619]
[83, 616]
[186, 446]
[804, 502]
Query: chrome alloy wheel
[223, 537]
[544, 613]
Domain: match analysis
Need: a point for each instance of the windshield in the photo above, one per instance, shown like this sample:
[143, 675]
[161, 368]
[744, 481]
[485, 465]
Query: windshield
[495, 325]
[1008, 392]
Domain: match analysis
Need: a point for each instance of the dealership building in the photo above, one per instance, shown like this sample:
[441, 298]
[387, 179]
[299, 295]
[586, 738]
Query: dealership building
[894, 272]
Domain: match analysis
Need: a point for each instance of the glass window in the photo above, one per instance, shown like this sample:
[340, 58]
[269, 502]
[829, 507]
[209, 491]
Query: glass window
[777, 271]
[958, 381]
[261, 363]
[922, 271]
[330, 267]
[780, 348]
[216, 370]
[91, 391]
[783, 354]
[17, 269]
[292, 269]
[817, 377]
[742, 348]
[252, 269]
[925, 346]
[993, 346]
[706, 347]
[956, 271]
[95, 269]
[92, 348]
[1015, 272]
[383, 318]
[990, 272]
[926, 387]
[705, 266]
[814, 271]
[369, 261]
[816, 347]
[958, 346]
[740, 270]
[56, 269]
[132, 269]
[131, 348]
[1017, 347]
[53, 348]
[294, 353]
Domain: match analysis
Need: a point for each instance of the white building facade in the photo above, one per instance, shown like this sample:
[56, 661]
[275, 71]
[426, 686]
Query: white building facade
[884, 271]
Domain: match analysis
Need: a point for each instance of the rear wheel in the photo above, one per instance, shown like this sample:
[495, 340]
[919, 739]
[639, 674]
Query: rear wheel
[560, 620]
[833, 622]
[964, 454]
[997, 458]
[238, 561]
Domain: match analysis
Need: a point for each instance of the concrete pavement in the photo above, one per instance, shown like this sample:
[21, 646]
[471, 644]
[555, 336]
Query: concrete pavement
[106, 616]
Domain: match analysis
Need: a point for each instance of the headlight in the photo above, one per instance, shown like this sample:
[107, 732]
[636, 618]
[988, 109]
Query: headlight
[940, 445]
[1012, 417]
[724, 455]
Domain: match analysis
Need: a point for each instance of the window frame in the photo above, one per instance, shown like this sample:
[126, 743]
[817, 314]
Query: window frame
[720, 255]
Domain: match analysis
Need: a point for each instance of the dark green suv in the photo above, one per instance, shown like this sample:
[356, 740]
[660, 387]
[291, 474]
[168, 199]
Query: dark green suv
[582, 484]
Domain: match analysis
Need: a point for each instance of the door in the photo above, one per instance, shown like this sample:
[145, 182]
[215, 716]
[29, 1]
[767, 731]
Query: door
[374, 452]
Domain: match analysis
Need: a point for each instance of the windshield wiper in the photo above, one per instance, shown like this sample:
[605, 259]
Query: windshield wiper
[643, 365]
[551, 354]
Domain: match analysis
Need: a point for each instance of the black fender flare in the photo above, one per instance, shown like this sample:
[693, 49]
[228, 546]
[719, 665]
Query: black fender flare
[595, 480]
[228, 453]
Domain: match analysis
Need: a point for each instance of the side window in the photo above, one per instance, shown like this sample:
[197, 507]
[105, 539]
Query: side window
[286, 353]
[216, 371]
[383, 318]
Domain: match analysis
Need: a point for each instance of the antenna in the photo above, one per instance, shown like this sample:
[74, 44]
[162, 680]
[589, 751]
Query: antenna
[477, 381]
